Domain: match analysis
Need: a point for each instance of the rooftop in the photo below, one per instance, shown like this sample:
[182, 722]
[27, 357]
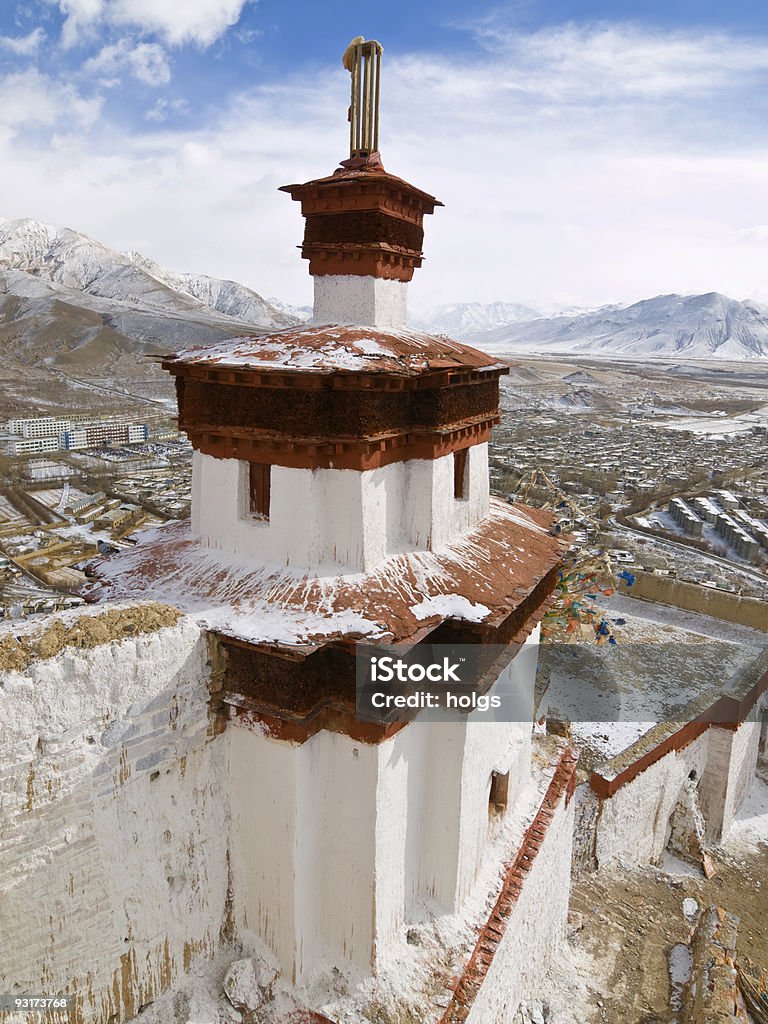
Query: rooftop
[330, 349]
[669, 668]
[369, 172]
[481, 578]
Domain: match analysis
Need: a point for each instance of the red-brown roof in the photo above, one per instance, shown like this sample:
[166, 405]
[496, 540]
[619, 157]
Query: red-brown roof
[480, 578]
[340, 349]
[365, 175]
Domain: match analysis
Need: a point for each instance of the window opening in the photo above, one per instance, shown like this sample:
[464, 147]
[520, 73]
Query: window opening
[460, 473]
[259, 479]
[498, 798]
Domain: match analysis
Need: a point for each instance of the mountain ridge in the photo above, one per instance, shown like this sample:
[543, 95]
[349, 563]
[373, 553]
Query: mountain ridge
[73, 260]
[146, 308]
[68, 300]
[706, 326]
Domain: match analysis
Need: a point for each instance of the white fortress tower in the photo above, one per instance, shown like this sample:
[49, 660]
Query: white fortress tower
[341, 496]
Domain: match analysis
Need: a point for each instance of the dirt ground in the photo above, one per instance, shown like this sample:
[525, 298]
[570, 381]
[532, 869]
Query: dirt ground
[82, 630]
[629, 922]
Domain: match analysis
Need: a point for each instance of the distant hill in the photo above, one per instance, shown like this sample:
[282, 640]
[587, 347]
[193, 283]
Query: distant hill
[710, 326]
[67, 300]
[466, 319]
[300, 313]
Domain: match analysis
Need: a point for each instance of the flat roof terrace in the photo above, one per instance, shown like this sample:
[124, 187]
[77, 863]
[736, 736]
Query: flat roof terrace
[670, 668]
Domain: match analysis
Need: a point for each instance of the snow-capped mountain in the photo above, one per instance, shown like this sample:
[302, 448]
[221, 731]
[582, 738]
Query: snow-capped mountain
[301, 313]
[67, 300]
[710, 326]
[71, 260]
[64, 296]
[226, 297]
[466, 319]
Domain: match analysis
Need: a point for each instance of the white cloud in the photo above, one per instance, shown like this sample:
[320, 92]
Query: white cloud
[560, 182]
[30, 100]
[759, 233]
[164, 109]
[620, 60]
[80, 19]
[193, 21]
[23, 46]
[145, 61]
[176, 21]
[248, 35]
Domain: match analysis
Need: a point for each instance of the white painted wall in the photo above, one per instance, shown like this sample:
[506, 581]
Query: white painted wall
[730, 769]
[113, 821]
[432, 820]
[303, 846]
[741, 773]
[262, 782]
[632, 827]
[338, 890]
[332, 520]
[148, 822]
[364, 301]
[335, 841]
[535, 932]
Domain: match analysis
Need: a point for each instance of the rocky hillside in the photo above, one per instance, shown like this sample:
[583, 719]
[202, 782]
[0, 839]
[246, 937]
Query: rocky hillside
[67, 299]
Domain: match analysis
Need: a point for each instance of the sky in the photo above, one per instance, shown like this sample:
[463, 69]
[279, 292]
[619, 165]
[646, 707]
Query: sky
[586, 152]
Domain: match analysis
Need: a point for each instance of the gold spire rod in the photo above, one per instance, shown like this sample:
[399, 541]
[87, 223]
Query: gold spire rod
[362, 58]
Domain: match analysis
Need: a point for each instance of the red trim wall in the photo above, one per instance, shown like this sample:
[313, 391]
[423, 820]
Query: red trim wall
[725, 713]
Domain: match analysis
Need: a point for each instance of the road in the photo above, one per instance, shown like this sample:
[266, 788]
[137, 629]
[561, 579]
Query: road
[105, 390]
[753, 574]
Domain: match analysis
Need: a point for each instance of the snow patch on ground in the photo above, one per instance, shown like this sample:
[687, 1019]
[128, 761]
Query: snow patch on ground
[609, 739]
[672, 865]
[680, 968]
[751, 825]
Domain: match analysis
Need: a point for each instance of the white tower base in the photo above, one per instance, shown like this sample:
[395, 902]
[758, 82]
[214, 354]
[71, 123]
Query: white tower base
[349, 299]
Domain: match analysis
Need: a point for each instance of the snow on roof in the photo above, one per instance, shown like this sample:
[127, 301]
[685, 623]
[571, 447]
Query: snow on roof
[482, 576]
[334, 348]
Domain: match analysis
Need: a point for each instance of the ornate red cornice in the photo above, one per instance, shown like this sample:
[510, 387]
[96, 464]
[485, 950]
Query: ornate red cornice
[365, 223]
[330, 453]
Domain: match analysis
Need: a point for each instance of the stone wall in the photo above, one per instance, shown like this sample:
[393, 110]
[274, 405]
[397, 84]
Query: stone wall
[528, 924]
[719, 604]
[535, 931]
[632, 827]
[113, 819]
[762, 752]
[586, 819]
[712, 994]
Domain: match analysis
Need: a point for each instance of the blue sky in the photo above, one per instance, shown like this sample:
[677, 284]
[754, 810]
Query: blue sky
[586, 152]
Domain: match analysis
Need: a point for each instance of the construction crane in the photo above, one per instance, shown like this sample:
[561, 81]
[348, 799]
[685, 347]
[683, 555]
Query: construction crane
[575, 613]
[556, 497]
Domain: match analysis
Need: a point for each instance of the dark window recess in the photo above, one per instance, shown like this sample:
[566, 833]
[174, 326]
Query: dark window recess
[460, 473]
[499, 795]
[258, 489]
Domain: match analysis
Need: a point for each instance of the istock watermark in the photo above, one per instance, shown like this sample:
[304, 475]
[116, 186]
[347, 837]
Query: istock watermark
[706, 681]
[439, 682]
[386, 669]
